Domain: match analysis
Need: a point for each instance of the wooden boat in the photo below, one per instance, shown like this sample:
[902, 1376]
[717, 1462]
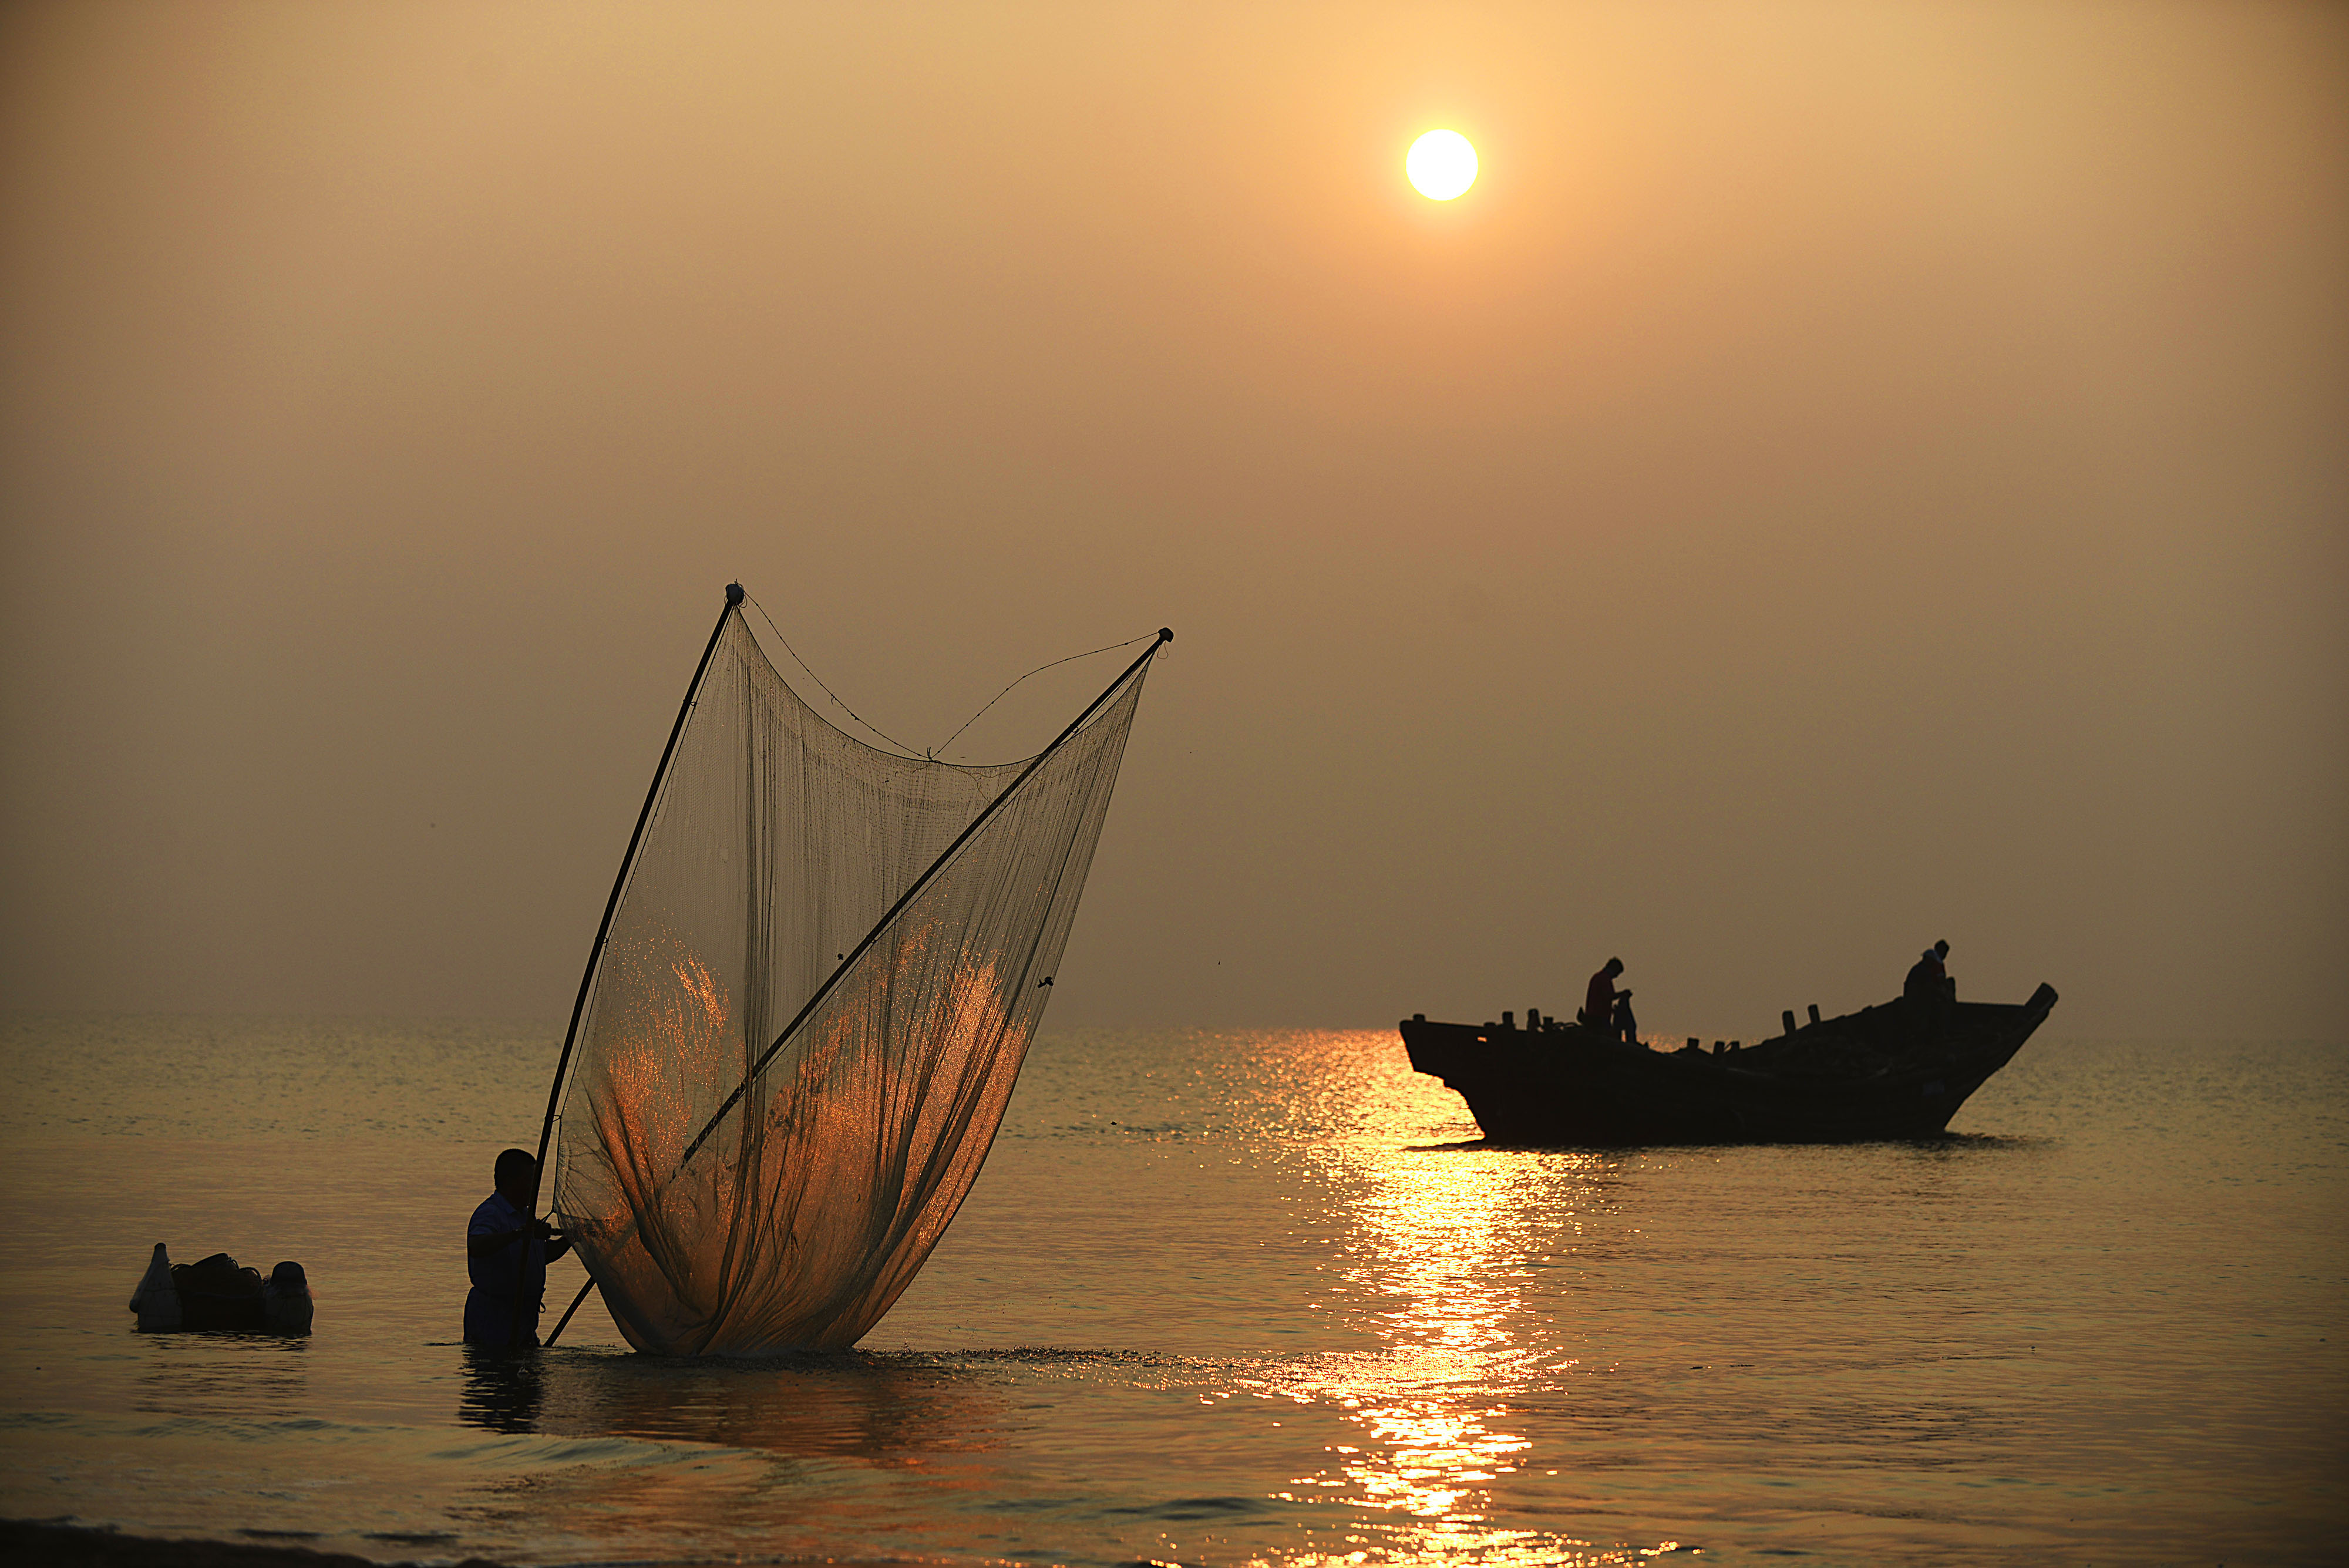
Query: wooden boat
[1892, 1071]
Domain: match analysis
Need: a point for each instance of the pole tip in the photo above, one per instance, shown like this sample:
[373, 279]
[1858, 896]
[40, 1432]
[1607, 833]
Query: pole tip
[1165, 634]
[733, 593]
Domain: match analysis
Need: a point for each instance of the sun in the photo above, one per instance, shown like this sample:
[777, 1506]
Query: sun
[1441, 165]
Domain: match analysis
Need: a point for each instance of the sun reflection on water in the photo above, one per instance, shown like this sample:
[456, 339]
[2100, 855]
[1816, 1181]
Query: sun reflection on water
[1444, 1247]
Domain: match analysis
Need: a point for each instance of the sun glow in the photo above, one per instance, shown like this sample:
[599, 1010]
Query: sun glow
[1441, 165]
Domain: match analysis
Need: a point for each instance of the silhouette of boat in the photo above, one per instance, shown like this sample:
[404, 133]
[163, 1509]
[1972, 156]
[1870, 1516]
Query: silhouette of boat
[1890, 1071]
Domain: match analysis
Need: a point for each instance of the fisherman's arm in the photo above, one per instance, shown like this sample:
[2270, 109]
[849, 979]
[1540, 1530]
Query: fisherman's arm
[480, 1243]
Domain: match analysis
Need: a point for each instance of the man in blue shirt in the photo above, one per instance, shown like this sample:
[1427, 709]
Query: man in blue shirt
[506, 1252]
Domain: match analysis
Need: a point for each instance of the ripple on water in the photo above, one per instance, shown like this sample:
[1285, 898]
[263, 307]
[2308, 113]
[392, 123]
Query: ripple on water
[1225, 1298]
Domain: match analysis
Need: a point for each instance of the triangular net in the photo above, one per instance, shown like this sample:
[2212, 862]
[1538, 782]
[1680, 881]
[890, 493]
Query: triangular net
[777, 844]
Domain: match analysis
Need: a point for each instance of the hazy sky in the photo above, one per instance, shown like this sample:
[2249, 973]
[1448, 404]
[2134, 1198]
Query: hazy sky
[1845, 475]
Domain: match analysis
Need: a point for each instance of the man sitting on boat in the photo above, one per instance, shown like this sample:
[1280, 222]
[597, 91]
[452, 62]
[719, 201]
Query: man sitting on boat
[1928, 977]
[1599, 1007]
[509, 1280]
[1930, 993]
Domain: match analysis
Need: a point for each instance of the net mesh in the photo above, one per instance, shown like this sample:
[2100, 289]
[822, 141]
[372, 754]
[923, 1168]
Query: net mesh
[777, 844]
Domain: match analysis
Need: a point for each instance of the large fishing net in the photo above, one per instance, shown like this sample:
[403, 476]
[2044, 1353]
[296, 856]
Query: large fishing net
[731, 1198]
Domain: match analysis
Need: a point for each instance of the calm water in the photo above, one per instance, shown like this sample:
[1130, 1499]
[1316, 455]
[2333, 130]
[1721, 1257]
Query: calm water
[1222, 1299]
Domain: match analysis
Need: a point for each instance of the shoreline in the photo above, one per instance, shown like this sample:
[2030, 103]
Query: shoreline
[53, 1544]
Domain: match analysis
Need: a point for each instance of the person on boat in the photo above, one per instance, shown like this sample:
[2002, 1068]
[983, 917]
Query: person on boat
[1620, 1025]
[1598, 1003]
[1928, 977]
[1930, 993]
[506, 1253]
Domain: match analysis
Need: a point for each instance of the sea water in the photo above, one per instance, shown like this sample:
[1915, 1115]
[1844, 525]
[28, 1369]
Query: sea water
[1221, 1298]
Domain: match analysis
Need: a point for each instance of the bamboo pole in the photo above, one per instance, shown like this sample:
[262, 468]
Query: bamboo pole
[611, 907]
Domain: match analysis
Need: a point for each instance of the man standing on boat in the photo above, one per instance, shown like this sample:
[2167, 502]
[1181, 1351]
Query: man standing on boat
[1599, 1005]
[1623, 1025]
[506, 1252]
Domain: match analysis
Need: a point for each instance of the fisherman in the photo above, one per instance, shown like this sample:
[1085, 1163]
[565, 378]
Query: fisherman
[1622, 1025]
[1928, 979]
[506, 1252]
[1599, 1004]
[1930, 991]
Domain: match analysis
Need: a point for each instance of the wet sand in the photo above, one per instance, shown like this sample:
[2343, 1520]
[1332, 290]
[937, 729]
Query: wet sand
[30, 1543]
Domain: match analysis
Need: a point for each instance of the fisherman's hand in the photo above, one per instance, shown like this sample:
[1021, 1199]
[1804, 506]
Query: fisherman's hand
[541, 1230]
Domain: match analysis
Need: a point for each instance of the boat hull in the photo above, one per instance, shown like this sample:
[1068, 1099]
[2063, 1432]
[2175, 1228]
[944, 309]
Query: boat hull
[1882, 1073]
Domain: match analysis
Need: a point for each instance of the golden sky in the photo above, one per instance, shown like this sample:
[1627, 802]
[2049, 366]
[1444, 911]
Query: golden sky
[1845, 475]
